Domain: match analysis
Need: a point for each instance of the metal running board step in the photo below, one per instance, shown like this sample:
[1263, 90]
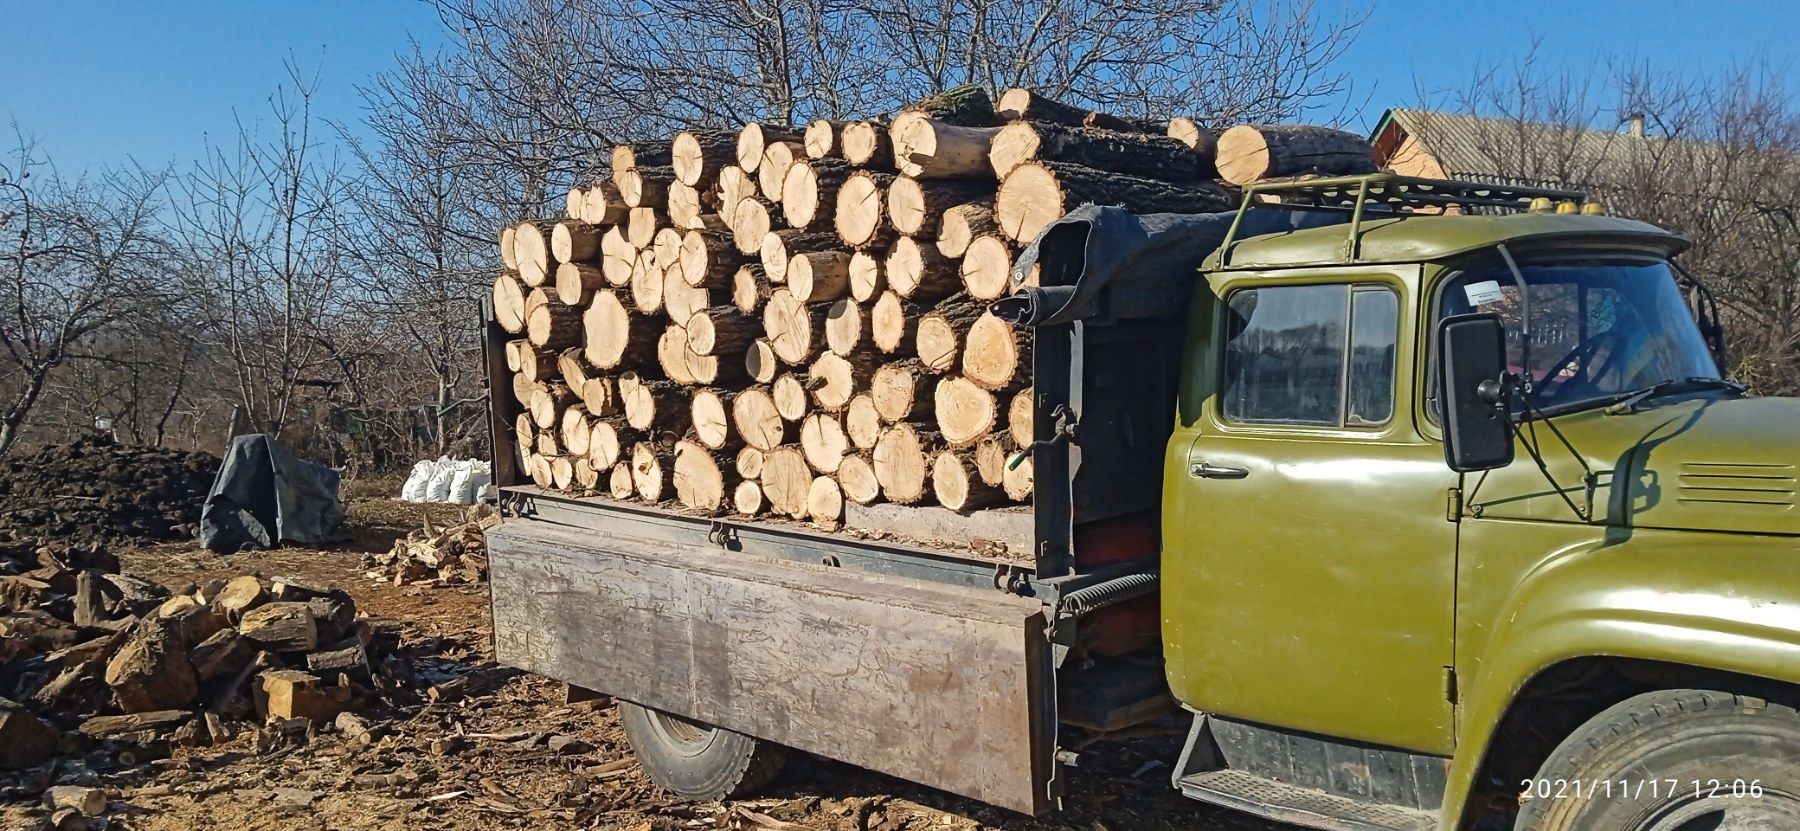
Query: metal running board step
[1301, 806]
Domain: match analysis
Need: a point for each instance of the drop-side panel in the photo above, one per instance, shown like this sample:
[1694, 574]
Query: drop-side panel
[942, 686]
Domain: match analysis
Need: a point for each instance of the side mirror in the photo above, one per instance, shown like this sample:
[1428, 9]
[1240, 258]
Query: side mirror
[1471, 374]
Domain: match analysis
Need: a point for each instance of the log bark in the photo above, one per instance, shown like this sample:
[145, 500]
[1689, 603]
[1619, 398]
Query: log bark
[958, 487]
[833, 379]
[825, 503]
[509, 302]
[866, 145]
[928, 148]
[647, 153]
[1122, 124]
[902, 464]
[821, 139]
[575, 241]
[809, 190]
[749, 288]
[755, 138]
[1201, 141]
[960, 225]
[819, 276]
[914, 206]
[1019, 416]
[844, 327]
[901, 391]
[613, 336]
[785, 479]
[703, 477]
[756, 419]
[968, 105]
[712, 419]
[1250, 153]
[760, 363]
[866, 280]
[996, 356]
[577, 282]
[697, 156]
[858, 217]
[644, 187]
[708, 259]
[856, 478]
[862, 422]
[793, 327]
[1136, 154]
[649, 471]
[893, 324]
[965, 412]
[823, 441]
[790, 397]
[940, 333]
[779, 247]
[549, 324]
[1035, 194]
[721, 330]
[920, 272]
[749, 224]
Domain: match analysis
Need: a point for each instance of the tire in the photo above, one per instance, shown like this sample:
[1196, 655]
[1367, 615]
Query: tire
[698, 761]
[1662, 753]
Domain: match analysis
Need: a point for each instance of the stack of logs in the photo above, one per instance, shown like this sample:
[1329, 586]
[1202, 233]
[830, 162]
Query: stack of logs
[777, 320]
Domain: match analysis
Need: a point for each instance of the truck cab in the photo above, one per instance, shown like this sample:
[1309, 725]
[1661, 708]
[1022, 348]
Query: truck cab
[1377, 632]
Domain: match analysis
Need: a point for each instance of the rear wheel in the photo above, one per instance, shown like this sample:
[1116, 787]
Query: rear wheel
[698, 761]
[1674, 760]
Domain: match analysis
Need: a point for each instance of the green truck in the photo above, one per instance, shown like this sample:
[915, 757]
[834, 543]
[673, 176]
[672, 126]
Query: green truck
[1427, 501]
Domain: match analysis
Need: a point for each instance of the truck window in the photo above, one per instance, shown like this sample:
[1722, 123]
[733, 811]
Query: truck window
[1310, 355]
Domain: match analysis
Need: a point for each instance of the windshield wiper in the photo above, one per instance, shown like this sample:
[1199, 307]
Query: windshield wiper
[1627, 402]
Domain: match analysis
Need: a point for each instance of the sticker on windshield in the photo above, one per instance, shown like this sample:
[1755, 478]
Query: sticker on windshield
[1483, 293]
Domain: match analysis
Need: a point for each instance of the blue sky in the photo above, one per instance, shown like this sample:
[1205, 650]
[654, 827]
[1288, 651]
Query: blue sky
[102, 79]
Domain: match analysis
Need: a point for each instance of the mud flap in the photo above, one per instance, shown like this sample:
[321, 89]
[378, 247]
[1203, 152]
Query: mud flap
[947, 687]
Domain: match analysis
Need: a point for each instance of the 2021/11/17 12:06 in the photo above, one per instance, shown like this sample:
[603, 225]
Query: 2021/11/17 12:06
[1639, 788]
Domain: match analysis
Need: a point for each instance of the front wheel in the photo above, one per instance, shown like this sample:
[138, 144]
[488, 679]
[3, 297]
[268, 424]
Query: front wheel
[1674, 760]
[698, 761]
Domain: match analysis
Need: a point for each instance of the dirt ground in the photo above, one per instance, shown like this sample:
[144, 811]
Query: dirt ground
[517, 756]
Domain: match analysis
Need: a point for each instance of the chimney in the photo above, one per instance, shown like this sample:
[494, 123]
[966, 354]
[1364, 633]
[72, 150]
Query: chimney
[1637, 125]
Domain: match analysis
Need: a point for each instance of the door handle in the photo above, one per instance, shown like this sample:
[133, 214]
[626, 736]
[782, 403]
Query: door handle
[1203, 470]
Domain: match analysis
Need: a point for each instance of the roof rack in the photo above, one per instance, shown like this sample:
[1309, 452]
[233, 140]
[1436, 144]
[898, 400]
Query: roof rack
[1389, 195]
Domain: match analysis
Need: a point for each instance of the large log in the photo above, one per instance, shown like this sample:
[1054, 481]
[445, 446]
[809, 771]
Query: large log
[697, 156]
[712, 420]
[655, 407]
[901, 391]
[1136, 154]
[640, 227]
[672, 355]
[549, 324]
[601, 204]
[844, 328]
[866, 145]
[760, 363]
[772, 172]
[958, 487]
[576, 283]
[809, 191]
[915, 205]
[616, 257]
[537, 364]
[703, 477]
[1035, 194]
[574, 430]
[1019, 416]
[650, 464]
[749, 288]
[821, 139]
[680, 300]
[856, 478]
[819, 276]
[965, 412]
[968, 105]
[647, 281]
[862, 422]
[920, 272]
[785, 480]
[574, 241]
[902, 463]
[509, 302]
[547, 403]
[1250, 153]
[790, 397]
[861, 208]
[960, 225]
[607, 441]
[866, 280]
[643, 187]
[756, 420]
[792, 327]
[893, 324]
[665, 247]
[613, 336]
[708, 259]
[531, 248]
[734, 186]
[750, 224]
[779, 247]
[823, 441]
[833, 379]
[940, 333]
[825, 503]
[686, 207]
[996, 356]
[927, 148]
[721, 330]
[755, 138]
[646, 153]
[1200, 140]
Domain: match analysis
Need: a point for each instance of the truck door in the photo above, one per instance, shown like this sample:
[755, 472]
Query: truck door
[1309, 568]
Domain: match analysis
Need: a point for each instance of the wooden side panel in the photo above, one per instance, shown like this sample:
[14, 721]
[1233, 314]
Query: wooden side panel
[942, 686]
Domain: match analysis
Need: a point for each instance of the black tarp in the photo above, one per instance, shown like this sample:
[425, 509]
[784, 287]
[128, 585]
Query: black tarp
[265, 496]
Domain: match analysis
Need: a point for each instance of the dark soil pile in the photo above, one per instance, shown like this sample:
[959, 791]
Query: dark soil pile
[94, 492]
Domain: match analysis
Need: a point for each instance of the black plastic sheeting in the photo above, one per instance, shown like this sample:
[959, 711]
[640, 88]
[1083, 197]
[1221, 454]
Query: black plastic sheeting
[1104, 264]
[265, 496]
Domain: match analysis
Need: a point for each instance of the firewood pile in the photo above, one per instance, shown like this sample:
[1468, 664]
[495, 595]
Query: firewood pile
[450, 556]
[780, 320]
[133, 668]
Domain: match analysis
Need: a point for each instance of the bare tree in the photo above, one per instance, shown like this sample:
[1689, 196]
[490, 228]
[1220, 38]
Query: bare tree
[81, 255]
[1715, 158]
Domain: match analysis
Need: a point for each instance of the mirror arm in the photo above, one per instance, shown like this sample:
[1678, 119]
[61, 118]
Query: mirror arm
[1524, 317]
[1710, 325]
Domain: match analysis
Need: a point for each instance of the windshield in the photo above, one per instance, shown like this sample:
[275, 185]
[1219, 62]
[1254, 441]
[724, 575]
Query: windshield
[1599, 327]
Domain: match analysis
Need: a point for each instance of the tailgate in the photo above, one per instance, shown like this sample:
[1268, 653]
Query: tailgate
[948, 687]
